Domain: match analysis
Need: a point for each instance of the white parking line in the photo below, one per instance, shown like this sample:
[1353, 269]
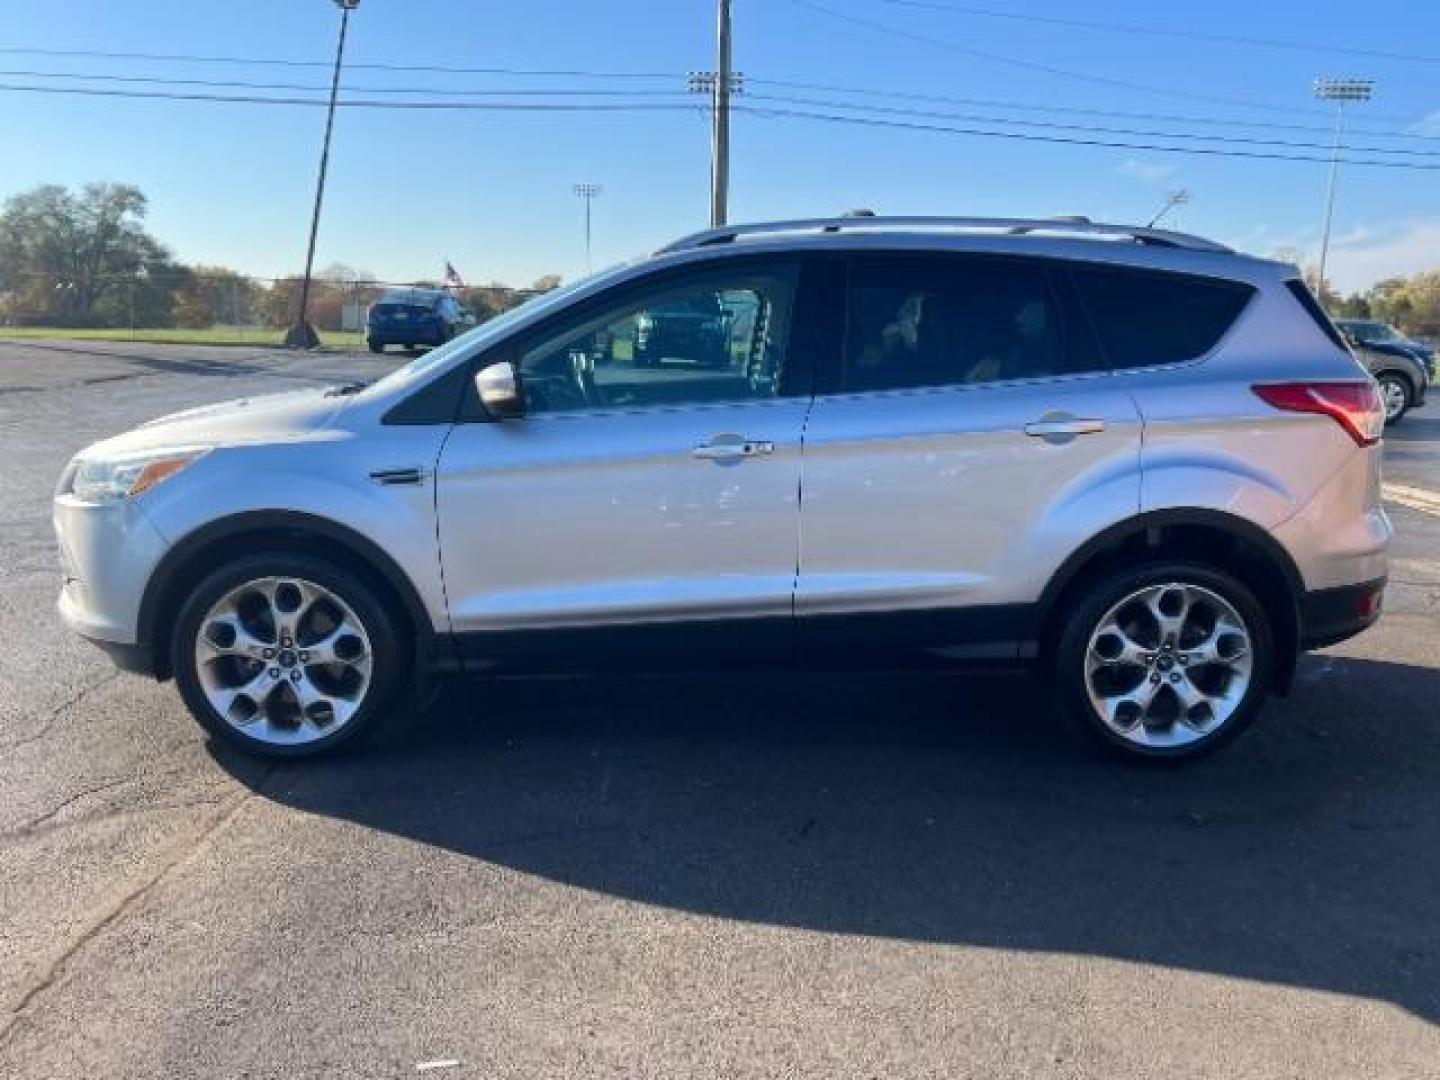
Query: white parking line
[1427, 502]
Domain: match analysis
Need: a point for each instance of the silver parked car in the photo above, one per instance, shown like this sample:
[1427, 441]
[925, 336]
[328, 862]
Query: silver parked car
[1401, 367]
[1133, 457]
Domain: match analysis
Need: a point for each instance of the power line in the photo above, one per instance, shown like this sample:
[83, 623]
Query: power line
[193, 58]
[1066, 140]
[251, 99]
[1031, 65]
[619, 107]
[234, 84]
[238, 84]
[1156, 31]
[1019, 106]
[1093, 129]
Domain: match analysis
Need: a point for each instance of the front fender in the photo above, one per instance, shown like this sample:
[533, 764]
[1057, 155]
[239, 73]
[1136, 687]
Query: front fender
[324, 486]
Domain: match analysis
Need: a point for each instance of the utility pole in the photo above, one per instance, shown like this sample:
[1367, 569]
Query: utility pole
[719, 84]
[302, 335]
[720, 134]
[1339, 91]
[588, 192]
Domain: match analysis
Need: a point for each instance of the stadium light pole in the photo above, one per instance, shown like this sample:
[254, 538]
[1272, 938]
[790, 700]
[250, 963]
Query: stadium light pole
[588, 192]
[302, 335]
[1339, 91]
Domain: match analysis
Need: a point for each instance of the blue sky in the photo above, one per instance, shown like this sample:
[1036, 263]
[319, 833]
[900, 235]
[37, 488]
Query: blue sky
[491, 191]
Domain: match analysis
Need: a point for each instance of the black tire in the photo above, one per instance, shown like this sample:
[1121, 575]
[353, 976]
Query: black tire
[376, 346]
[1389, 381]
[1073, 644]
[389, 651]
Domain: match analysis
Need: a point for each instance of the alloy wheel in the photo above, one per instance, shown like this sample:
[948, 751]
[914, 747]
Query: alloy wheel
[1169, 665]
[283, 660]
[1395, 397]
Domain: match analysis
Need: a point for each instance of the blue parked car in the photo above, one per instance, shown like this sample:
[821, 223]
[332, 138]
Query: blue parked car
[413, 317]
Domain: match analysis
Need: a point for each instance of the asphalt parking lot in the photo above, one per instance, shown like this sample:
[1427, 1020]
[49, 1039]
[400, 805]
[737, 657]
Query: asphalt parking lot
[745, 876]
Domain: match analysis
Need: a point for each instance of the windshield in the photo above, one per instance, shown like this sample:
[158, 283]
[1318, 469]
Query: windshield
[1372, 331]
[492, 330]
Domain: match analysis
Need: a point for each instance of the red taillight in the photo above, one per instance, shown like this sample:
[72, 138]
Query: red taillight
[1355, 406]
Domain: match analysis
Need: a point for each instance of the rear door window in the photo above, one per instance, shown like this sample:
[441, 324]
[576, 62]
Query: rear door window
[956, 321]
[1148, 317]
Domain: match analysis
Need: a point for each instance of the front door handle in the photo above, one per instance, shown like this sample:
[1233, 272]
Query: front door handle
[1050, 427]
[731, 448]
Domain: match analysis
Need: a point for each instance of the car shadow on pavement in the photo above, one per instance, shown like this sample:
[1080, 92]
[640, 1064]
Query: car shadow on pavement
[940, 809]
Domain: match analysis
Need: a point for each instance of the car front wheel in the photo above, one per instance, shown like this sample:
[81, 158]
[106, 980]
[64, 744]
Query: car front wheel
[285, 655]
[1165, 661]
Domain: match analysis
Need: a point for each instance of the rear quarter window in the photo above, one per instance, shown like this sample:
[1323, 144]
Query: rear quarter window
[1306, 299]
[1145, 317]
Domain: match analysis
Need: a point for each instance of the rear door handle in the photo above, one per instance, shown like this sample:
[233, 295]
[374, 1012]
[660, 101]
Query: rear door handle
[732, 448]
[1070, 426]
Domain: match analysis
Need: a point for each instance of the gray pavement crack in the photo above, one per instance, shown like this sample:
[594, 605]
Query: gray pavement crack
[32, 996]
[57, 712]
[55, 811]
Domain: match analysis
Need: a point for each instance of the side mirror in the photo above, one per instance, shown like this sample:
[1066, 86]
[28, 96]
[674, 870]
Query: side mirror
[499, 388]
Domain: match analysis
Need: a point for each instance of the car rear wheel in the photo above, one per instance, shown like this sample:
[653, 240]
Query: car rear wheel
[376, 346]
[1167, 661]
[286, 655]
[1395, 393]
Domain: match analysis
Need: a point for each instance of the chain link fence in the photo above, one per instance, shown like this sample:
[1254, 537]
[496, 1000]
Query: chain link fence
[204, 305]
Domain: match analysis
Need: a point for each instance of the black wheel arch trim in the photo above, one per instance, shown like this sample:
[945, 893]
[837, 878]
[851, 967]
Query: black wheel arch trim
[158, 588]
[1399, 373]
[1148, 526]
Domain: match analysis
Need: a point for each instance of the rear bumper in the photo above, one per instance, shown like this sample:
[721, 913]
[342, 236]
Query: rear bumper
[406, 335]
[1328, 616]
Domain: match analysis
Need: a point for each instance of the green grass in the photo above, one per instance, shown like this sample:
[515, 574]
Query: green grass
[218, 335]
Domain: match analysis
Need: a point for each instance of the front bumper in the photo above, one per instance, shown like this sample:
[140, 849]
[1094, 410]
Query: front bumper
[107, 555]
[1329, 616]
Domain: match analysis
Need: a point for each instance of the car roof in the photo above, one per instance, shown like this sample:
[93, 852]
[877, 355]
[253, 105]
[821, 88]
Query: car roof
[1078, 240]
[860, 223]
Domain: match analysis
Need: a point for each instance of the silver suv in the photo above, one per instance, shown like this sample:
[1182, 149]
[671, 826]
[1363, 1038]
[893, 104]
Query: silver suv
[1132, 457]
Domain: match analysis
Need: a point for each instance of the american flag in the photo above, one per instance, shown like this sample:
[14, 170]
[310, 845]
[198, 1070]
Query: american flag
[453, 280]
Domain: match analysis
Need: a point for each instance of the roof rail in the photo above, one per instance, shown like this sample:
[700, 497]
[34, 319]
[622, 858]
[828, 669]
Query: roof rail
[1012, 226]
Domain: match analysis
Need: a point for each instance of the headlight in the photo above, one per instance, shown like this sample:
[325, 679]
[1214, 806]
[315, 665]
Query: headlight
[108, 480]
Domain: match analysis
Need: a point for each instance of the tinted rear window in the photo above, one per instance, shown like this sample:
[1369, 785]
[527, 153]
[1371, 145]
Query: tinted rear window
[408, 298]
[1302, 293]
[1145, 317]
[956, 321]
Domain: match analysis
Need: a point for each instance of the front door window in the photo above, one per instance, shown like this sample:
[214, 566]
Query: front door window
[714, 339]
